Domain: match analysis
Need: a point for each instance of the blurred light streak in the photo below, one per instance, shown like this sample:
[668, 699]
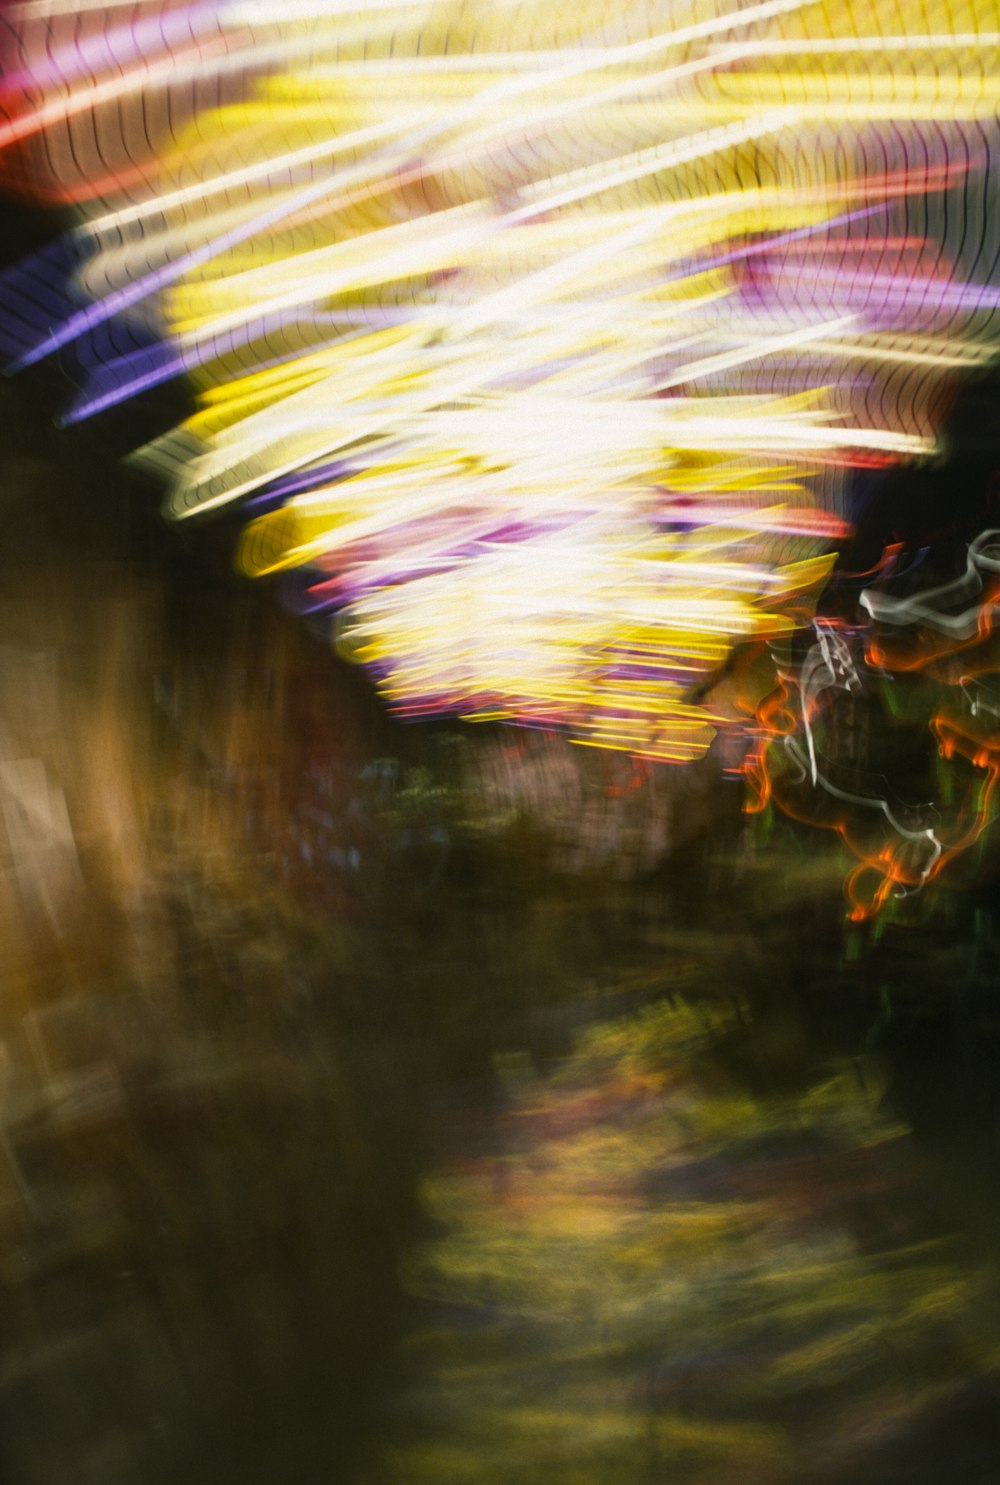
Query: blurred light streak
[803, 748]
[473, 300]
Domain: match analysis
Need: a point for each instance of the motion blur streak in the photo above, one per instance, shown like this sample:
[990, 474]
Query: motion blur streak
[648, 1273]
[927, 659]
[490, 309]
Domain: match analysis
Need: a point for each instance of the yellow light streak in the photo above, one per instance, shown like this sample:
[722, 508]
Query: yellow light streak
[548, 313]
